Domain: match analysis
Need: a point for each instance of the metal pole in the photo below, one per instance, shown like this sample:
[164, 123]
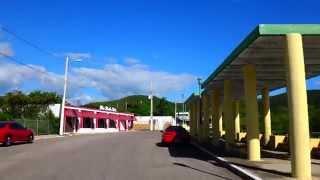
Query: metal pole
[48, 126]
[200, 104]
[151, 109]
[64, 97]
[37, 126]
[199, 84]
[175, 112]
[183, 120]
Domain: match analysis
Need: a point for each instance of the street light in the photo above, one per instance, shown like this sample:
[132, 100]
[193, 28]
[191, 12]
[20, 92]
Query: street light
[151, 108]
[200, 99]
[199, 84]
[61, 129]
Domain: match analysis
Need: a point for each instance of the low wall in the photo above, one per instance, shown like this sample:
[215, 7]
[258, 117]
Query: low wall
[96, 130]
[281, 142]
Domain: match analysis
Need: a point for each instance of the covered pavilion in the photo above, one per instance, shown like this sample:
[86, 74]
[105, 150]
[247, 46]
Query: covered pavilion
[269, 58]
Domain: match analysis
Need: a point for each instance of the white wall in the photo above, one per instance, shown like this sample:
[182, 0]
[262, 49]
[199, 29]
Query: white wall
[55, 108]
[159, 121]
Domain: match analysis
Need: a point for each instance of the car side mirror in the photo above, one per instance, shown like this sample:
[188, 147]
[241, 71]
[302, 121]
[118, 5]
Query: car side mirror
[161, 131]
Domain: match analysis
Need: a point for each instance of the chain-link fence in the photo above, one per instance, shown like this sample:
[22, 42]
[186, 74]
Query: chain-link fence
[40, 126]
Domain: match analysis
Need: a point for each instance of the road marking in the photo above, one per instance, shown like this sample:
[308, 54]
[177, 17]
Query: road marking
[241, 170]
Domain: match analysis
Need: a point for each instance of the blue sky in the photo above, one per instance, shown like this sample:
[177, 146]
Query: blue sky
[171, 41]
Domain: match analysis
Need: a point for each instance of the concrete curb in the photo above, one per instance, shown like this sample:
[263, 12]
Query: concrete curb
[47, 137]
[225, 163]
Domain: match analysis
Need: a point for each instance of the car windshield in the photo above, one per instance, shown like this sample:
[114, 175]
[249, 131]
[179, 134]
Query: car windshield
[2, 124]
[174, 128]
[16, 126]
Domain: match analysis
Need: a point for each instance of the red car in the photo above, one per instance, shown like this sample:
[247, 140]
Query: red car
[175, 134]
[13, 132]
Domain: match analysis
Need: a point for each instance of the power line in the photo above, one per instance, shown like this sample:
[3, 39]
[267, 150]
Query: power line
[5, 29]
[40, 49]
[23, 64]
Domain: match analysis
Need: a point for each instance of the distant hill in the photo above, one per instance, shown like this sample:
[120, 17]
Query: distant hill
[279, 112]
[139, 105]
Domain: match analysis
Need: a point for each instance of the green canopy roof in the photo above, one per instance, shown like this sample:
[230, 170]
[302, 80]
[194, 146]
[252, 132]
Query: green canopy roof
[265, 48]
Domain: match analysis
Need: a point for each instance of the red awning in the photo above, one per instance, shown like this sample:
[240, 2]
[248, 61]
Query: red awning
[89, 114]
[71, 112]
[125, 117]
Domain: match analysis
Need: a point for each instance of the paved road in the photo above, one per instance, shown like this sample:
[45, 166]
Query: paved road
[117, 156]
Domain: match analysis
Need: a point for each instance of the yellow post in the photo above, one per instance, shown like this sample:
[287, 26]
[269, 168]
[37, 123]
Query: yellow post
[205, 122]
[198, 115]
[228, 113]
[252, 122]
[220, 120]
[266, 115]
[236, 118]
[189, 105]
[298, 108]
[194, 117]
[216, 115]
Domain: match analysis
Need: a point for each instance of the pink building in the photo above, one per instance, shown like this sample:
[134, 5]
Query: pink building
[86, 120]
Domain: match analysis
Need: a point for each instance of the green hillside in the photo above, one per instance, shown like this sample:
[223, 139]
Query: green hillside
[279, 112]
[140, 105]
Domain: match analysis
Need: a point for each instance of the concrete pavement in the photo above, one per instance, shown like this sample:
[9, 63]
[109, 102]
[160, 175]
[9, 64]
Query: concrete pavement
[115, 156]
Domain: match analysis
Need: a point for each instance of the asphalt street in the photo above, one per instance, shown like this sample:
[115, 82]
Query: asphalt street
[113, 156]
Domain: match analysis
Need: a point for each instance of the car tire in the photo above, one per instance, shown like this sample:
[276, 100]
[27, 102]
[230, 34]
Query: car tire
[8, 141]
[30, 139]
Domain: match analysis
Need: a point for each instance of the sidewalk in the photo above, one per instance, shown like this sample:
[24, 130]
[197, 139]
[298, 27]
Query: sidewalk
[272, 168]
[46, 136]
[273, 165]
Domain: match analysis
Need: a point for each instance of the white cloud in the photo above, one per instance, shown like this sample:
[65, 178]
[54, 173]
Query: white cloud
[112, 81]
[5, 48]
[131, 61]
[116, 80]
[81, 99]
[13, 76]
[78, 55]
[110, 60]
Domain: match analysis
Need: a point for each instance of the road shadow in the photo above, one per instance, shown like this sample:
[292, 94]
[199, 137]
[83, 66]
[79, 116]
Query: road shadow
[235, 153]
[199, 170]
[185, 150]
[15, 144]
[189, 151]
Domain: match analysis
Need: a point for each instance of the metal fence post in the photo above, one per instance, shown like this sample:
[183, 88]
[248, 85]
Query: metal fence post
[37, 126]
[48, 126]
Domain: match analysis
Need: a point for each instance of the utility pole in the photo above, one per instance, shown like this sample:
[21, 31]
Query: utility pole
[61, 129]
[182, 97]
[175, 112]
[200, 105]
[151, 108]
[64, 97]
[199, 85]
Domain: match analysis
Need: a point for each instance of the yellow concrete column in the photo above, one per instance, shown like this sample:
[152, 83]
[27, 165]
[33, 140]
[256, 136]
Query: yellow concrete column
[252, 121]
[216, 115]
[189, 105]
[266, 115]
[198, 110]
[228, 113]
[194, 118]
[236, 118]
[205, 122]
[220, 120]
[298, 108]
